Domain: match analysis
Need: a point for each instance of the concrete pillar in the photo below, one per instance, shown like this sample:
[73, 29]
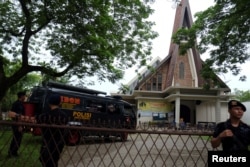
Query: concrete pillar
[177, 109]
[217, 109]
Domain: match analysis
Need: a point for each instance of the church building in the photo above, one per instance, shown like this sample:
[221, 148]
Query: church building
[174, 90]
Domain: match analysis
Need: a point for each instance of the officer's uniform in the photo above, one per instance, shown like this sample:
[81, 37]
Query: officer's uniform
[241, 137]
[18, 108]
[52, 138]
[239, 141]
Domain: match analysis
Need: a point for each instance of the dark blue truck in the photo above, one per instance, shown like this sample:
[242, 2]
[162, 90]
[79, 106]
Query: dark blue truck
[85, 107]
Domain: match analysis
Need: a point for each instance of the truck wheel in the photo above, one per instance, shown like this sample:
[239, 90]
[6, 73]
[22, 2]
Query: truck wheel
[124, 136]
[73, 138]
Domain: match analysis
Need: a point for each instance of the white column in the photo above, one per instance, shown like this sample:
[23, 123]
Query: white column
[217, 108]
[177, 109]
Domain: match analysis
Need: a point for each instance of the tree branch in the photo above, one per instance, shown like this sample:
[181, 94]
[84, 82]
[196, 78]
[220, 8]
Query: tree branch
[2, 74]
[48, 19]
[27, 34]
[14, 33]
[27, 69]
[49, 71]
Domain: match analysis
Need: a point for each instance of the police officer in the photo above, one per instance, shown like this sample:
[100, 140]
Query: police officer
[18, 109]
[233, 134]
[52, 138]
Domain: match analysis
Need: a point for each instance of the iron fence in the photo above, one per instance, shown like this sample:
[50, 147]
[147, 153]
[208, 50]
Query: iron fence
[147, 146]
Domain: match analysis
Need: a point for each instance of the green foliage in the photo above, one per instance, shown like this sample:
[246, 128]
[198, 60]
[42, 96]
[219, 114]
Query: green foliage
[223, 30]
[124, 89]
[24, 84]
[242, 95]
[29, 150]
[185, 38]
[80, 38]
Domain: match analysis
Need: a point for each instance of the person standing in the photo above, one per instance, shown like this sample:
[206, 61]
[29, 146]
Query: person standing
[233, 134]
[18, 109]
[52, 137]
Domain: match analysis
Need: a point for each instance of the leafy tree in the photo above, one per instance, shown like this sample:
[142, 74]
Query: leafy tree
[223, 30]
[78, 38]
[242, 95]
[123, 89]
[24, 84]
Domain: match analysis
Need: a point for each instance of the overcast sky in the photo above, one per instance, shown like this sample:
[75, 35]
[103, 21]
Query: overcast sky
[164, 17]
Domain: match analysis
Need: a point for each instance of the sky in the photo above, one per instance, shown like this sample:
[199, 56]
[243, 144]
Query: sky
[164, 18]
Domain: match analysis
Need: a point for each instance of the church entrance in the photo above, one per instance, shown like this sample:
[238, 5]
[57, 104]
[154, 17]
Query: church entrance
[185, 113]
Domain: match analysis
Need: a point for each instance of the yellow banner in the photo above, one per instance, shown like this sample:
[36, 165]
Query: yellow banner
[154, 106]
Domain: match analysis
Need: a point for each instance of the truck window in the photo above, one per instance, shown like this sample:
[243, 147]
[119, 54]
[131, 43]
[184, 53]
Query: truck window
[113, 108]
[128, 109]
[37, 96]
[95, 106]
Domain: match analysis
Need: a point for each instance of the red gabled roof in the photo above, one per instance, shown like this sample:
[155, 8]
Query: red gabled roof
[183, 18]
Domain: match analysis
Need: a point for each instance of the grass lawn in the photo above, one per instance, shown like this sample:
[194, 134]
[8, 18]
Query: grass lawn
[208, 138]
[28, 152]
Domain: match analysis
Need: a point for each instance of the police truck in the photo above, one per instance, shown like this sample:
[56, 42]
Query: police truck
[84, 107]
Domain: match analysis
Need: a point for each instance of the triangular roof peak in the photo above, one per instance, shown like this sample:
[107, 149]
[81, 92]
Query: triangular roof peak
[183, 18]
[176, 70]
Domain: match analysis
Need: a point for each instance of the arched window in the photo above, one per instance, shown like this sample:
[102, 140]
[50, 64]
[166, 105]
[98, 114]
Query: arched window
[181, 70]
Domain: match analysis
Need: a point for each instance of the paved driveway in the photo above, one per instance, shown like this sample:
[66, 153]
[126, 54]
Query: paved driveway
[147, 150]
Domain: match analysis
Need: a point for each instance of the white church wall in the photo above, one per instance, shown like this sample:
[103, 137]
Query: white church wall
[205, 112]
[246, 116]
[224, 111]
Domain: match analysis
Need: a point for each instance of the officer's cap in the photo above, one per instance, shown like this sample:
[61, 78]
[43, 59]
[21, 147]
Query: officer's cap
[235, 103]
[20, 94]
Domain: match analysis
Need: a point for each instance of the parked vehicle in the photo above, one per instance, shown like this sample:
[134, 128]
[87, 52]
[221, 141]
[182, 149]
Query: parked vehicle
[85, 107]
